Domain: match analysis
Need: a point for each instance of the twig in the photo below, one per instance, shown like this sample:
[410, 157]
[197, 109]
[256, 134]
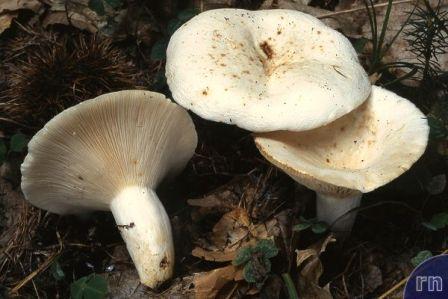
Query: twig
[400, 283]
[336, 13]
[41, 268]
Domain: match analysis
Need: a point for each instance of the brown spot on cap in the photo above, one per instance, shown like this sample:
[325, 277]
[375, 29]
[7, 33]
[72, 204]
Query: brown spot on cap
[267, 49]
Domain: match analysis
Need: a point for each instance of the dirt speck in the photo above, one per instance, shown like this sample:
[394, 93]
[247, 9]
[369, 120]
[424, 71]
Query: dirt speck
[164, 263]
[126, 226]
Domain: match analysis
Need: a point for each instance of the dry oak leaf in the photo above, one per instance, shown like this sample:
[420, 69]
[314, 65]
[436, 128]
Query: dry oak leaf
[232, 232]
[310, 270]
[9, 10]
[209, 284]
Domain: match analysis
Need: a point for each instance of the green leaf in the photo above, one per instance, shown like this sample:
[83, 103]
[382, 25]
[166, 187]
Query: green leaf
[186, 14]
[301, 226]
[114, 3]
[57, 271]
[97, 6]
[173, 25]
[267, 248]
[3, 151]
[158, 51]
[439, 220]
[17, 143]
[249, 272]
[319, 227]
[77, 288]
[421, 257]
[89, 287]
[243, 256]
[266, 264]
[429, 226]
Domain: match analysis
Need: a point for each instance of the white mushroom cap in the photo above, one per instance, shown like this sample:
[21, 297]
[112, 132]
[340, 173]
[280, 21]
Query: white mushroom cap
[88, 153]
[359, 152]
[264, 70]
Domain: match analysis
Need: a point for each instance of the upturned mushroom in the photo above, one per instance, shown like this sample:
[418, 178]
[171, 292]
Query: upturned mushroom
[110, 153]
[264, 70]
[355, 154]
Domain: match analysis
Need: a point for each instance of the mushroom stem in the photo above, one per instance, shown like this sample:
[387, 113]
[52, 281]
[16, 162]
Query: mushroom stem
[146, 229]
[331, 208]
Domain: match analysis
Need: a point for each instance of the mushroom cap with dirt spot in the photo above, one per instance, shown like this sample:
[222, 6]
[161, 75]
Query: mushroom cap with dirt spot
[86, 155]
[359, 152]
[264, 70]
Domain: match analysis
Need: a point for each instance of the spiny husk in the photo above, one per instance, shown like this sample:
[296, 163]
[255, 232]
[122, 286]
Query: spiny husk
[48, 72]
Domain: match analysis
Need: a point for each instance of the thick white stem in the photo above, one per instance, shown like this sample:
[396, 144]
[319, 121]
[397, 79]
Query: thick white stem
[330, 209]
[145, 227]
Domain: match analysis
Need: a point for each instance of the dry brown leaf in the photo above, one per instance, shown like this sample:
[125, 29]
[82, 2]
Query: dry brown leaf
[213, 256]
[6, 20]
[310, 270]
[208, 284]
[76, 13]
[233, 231]
[14, 5]
[9, 10]
[232, 228]
[221, 200]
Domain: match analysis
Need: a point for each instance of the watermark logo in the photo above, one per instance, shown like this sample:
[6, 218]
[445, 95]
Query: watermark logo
[429, 280]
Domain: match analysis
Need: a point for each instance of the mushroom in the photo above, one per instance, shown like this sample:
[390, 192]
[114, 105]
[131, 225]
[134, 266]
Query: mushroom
[355, 154]
[110, 153]
[264, 70]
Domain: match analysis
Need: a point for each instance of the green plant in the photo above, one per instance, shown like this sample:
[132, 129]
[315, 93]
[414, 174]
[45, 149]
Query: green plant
[379, 45]
[256, 261]
[427, 37]
[421, 257]
[56, 271]
[17, 144]
[438, 221]
[91, 286]
[290, 287]
[317, 227]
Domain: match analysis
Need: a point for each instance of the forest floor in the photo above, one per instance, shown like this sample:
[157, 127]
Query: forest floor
[56, 53]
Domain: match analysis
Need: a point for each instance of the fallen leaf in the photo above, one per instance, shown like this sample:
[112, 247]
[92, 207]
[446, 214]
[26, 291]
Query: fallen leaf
[14, 5]
[76, 13]
[6, 20]
[232, 228]
[208, 284]
[213, 256]
[373, 277]
[221, 200]
[233, 231]
[9, 10]
[310, 270]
